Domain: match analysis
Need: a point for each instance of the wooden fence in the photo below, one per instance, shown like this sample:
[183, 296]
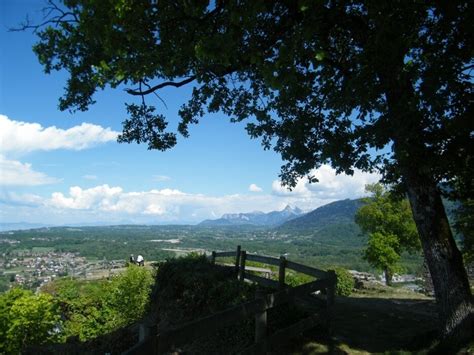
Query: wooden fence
[166, 340]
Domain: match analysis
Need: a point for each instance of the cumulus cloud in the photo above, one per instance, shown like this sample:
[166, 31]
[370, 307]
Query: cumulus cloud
[100, 197]
[154, 210]
[15, 173]
[24, 137]
[331, 186]
[112, 203]
[300, 190]
[255, 188]
[167, 204]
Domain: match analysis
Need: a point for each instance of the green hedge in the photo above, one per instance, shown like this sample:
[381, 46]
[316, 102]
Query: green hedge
[345, 282]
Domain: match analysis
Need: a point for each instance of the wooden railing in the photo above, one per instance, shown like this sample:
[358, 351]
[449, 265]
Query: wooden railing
[167, 339]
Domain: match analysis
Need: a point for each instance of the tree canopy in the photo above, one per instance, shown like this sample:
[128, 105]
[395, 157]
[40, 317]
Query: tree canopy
[389, 224]
[27, 319]
[318, 76]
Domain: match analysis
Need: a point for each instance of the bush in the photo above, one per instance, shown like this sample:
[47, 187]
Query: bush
[345, 282]
[294, 279]
[130, 293]
[190, 287]
[91, 309]
[27, 319]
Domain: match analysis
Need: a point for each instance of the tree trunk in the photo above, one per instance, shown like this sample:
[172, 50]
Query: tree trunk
[388, 276]
[444, 260]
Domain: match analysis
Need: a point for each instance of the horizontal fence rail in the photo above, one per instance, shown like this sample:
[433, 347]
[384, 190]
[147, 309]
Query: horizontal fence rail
[263, 259]
[225, 253]
[311, 271]
[164, 340]
[262, 281]
[210, 324]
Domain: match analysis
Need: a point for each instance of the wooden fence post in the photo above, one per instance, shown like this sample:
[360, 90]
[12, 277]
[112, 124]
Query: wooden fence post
[237, 259]
[213, 257]
[143, 332]
[162, 344]
[243, 257]
[261, 323]
[281, 272]
[330, 297]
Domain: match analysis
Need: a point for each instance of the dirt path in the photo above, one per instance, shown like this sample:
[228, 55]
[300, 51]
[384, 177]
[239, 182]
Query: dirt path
[384, 324]
[367, 324]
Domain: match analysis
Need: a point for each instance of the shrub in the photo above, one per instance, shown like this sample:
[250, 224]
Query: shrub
[190, 287]
[345, 282]
[94, 308]
[130, 293]
[27, 319]
[295, 278]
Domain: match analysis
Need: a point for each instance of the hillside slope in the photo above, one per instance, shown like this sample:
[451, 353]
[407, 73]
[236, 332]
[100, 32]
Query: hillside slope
[331, 224]
[338, 212]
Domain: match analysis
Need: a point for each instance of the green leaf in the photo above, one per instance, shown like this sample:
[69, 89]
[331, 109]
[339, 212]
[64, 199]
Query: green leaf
[320, 55]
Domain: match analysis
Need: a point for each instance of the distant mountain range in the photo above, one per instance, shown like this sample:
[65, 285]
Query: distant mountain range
[338, 212]
[270, 219]
[329, 224]
[331, 219]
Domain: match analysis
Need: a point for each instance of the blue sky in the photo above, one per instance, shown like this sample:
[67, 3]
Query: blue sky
[59, 168]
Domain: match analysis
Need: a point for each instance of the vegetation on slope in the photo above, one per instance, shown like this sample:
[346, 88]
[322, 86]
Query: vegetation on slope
[69, 309]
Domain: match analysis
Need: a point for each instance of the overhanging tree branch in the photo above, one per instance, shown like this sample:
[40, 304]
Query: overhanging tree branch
[152, 89]
[60, 17]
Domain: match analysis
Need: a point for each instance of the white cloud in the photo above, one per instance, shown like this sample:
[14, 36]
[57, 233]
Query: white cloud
[161, 178]
[167, 204]
[342, 185]
[331, 186]
[15, 173]
[255, 188]
[89, 177]
[100, 197]
[111, 204]
[300, 190]
[154, 210]
[24, 137]
[15, 199]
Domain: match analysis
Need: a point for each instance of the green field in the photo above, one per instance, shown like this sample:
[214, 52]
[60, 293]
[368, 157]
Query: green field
[336, 246]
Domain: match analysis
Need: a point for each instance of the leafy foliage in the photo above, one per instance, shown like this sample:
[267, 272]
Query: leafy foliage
[383, 252]
[293, 278]
[130, 293]
[27, 319]
[345, 282]
[389, 223]
[299, 70]
[93, 309]
[191, 287]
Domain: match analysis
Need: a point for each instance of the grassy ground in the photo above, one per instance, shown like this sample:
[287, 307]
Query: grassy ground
[376, 320]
